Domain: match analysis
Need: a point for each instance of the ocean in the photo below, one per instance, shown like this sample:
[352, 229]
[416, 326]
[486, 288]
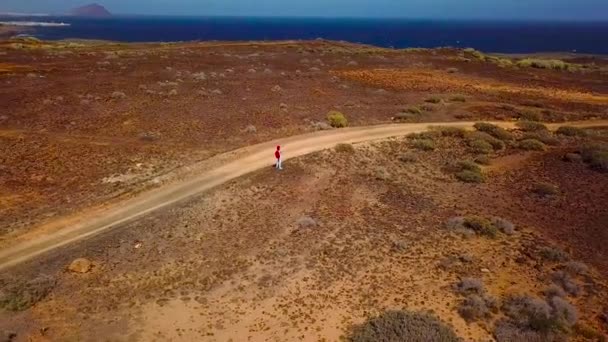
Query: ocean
[489, 36]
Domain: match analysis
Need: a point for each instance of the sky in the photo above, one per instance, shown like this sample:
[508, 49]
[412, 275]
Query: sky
[579, 10]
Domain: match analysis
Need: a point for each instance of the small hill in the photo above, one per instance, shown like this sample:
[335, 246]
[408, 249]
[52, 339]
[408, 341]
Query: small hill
[92, 10]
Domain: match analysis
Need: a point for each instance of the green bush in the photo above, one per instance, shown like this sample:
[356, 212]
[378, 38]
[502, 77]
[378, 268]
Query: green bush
[458, 98]
[483, 160]
[470, 176]
[468, 165]
[424, 144]
[531, 126]
[496, 144]
[571, 131]
[493, 130]
[403, 326]
[531, 145]
[543, 136]
[405, 117]
[414, 110]
[448, 131]
[337, 119]
[481, 146]
[433, 99]
[552, 64]
[481, 226]
[530, 116]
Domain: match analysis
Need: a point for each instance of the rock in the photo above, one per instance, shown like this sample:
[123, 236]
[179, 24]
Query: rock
[283, 106]
[80, 265]
[276, 89]
[485, 270]
[118, 95]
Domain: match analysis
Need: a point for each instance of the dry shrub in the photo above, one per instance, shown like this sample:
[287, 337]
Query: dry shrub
[503, 225]
[423, 144]
[403, 326]
[480, 146]
[447, 131]
[479, 225]
[531, 126]
[576, 268]
[543, 136]
[531, 313]
[571, 131]
[433, 99]
[553, 254]
[20, 295]
[470, 285]
[408, 157]
[344, 148]
[483, 160]
[596, 155]
[470, 176]
[496, 144]
[493, 130]
[476, 307]
[532, 145]
[564, 280]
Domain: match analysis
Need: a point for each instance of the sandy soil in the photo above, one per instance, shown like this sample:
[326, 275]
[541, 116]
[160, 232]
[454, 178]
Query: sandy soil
[340, 236]
[237, 263]
[88, 122]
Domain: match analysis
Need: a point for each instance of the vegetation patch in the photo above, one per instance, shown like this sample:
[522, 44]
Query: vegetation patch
[17, 296]
[553, 254]
[531, 126]
[493, 130]
[553, 315]
[495, 143]
[475, 224]
[543, 136]
[531, 145]
[483, 160]
[344, 148]
[448, 131]
[403, 326]
[552, 64]
[423, 144]
[337, 119]
[596, 156]
[433, 99]
[571, 131]
[458, 98]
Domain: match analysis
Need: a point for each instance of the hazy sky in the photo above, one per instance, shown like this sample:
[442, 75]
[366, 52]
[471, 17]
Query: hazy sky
[490, 9]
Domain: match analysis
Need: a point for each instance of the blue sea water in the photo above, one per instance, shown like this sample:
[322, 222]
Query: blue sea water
[490, 36]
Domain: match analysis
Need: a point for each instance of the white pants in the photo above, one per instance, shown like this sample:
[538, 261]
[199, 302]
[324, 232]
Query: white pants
[279, 164]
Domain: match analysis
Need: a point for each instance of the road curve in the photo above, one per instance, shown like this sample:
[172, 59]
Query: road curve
[246, 160]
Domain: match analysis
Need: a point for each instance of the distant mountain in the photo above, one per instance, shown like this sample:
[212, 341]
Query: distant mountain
[92, 10]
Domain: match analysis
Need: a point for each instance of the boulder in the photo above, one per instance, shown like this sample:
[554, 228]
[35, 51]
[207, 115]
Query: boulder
[80, 265]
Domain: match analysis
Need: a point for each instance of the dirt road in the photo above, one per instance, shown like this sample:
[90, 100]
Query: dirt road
[233, 165]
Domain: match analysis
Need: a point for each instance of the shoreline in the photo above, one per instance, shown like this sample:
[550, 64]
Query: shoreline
[16, 30]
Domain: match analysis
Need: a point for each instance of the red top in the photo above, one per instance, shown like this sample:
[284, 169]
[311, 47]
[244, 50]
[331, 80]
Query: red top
[277, 154]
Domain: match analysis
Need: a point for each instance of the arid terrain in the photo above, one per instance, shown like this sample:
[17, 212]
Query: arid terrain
[486, 233]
